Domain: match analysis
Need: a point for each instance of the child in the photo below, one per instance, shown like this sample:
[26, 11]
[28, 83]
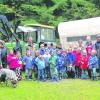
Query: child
[53, 69]
[70, 64]
[41, 66]
[42, 49]
[47, 67]
[28, 62]
[93, 63]
[13, 61]
[78, 55]
[60, 64]
[37, 53]
[84, 65]
[64, 73]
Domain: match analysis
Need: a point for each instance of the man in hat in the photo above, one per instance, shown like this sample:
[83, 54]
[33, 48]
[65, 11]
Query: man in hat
[97, 48]
[30, 45]
[3, 54]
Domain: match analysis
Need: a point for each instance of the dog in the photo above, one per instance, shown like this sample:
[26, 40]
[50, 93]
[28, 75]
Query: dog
[7, 74]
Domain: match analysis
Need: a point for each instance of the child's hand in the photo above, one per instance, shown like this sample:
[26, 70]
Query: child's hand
[20, 62]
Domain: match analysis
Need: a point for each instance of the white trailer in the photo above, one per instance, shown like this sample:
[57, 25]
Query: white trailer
[72, 31]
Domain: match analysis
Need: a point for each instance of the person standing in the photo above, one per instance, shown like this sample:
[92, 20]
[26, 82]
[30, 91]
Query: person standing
[53, 68]
[84, 65]
[81, 45]
[30, 46]
[47, 66]
[0, 55]
[41, 66]
[3, 54]
[97, 48]
[29, 64]
[92, 64]
[42, 49]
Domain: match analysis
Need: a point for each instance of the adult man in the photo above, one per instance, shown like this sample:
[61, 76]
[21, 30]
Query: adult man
[3, 54]
[97, 48]
[30, 45]
[29, 42]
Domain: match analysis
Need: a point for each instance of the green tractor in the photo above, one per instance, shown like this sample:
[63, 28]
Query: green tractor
[16, 37]
[9, 35]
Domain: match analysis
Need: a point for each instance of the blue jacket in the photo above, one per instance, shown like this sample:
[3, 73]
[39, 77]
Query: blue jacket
[65, 60]
[42, 51]
[28, 61]
[70, 58]
[93, 62]
[97, 47]
[59, 61]
[40, 63]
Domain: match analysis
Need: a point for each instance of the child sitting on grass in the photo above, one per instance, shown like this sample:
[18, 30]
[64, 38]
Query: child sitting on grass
[93, 64]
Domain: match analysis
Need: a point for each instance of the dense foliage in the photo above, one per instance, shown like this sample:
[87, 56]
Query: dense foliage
[51, 12]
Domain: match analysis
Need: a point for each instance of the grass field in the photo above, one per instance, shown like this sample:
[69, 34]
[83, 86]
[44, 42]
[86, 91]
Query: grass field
[70, 89]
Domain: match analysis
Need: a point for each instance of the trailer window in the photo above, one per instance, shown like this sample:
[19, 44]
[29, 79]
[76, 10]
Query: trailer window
[76, 38]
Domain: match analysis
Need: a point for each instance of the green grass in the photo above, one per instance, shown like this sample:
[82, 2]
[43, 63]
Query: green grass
[70, 89]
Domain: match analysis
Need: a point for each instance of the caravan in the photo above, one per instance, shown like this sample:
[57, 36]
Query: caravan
[72, 31]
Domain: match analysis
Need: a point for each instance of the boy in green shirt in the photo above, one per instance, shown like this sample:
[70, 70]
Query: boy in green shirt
[53, 69]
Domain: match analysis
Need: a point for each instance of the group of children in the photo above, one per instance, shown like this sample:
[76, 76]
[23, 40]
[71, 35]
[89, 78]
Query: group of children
[56, 64]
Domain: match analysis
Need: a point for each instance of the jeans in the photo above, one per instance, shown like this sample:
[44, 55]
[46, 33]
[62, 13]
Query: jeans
[71, 71]
[93, 73]
[84, 74]
[54, 74]
[78, 71]
[99, 66]
[40, 74]
[47, 72]
[28, 73]
[4, 62]
[62, 72]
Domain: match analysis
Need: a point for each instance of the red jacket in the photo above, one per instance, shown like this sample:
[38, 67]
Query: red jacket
[88, 50]
[84, 62]
[78, 56]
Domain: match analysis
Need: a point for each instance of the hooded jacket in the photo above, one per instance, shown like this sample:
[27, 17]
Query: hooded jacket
[70, 58]
[84, 63]
[78, 56]
[60, 61]
[13, 61]
[93, 62]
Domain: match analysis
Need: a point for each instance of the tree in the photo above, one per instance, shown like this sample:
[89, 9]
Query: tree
[52, 12]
